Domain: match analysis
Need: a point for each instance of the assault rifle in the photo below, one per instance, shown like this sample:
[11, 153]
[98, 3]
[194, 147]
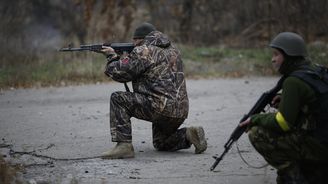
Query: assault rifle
[119, 48]
[259, 106]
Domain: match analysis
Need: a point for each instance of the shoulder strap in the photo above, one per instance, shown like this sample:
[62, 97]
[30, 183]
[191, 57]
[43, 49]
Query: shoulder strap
[316, 77]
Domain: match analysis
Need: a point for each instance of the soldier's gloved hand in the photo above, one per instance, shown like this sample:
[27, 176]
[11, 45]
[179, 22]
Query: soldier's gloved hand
[109, 53]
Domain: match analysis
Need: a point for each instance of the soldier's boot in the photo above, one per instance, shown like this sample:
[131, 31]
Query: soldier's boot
[120, 151]
[196, 136]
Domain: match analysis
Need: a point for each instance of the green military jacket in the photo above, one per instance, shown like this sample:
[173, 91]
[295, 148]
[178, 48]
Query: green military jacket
[296, 98]
[156, 71]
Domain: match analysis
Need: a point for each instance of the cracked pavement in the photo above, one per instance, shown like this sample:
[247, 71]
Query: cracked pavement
[57, 134]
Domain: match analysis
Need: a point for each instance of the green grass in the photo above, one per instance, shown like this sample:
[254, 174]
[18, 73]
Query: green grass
[60, 69]
[220, 62]
[319, 55]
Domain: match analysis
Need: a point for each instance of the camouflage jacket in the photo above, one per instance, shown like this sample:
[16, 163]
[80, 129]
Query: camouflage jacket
[156, 71]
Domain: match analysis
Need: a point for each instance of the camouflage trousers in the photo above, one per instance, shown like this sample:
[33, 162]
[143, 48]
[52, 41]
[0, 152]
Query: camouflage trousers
[292, 154]
[166, 133]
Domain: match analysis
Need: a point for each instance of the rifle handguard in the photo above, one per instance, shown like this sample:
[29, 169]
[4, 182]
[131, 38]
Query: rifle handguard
[258, 107]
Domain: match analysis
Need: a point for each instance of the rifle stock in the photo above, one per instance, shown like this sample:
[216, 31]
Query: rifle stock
[258, 107]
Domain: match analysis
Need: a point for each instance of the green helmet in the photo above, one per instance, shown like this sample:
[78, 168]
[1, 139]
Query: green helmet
[291, 43]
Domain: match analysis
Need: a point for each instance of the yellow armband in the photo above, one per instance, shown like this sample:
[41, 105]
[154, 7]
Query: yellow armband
[282, 122]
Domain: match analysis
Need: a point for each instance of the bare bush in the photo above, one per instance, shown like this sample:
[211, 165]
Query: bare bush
[36, 28]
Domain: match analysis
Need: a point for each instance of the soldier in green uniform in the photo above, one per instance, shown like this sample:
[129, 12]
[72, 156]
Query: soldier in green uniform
[159, 95]
[294, 140]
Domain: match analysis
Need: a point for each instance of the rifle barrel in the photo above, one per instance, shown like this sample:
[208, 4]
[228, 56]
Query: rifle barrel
[218, 159]
[72, 49]
[118, 47]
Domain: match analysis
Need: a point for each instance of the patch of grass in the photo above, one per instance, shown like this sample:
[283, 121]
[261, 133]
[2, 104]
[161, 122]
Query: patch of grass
[58, 70]
[319, 55]
[61, 69]
[221, 62]
[8, 172]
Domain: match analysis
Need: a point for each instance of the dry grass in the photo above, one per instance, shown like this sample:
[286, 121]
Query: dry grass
[8, 173]
[61, 69]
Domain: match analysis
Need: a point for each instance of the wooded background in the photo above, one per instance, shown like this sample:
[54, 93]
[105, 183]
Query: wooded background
[36, 27]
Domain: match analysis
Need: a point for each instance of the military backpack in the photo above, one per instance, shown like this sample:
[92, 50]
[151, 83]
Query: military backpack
[317, 78]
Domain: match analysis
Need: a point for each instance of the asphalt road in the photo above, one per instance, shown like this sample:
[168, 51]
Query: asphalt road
[58, 133]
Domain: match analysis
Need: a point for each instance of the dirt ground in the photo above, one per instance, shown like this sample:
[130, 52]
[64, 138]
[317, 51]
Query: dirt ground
[57, 134]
